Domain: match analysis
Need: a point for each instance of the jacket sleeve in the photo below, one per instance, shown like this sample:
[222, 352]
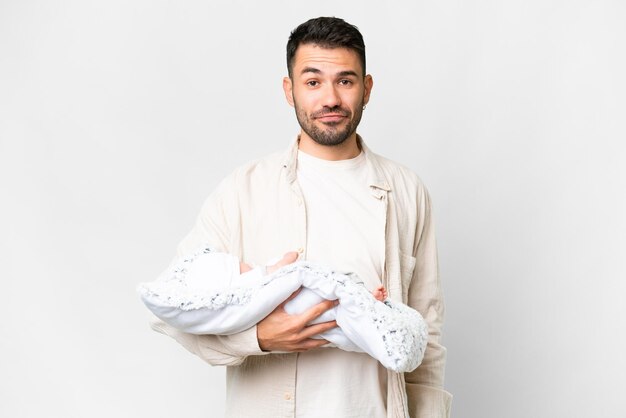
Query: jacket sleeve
[425, 394]
[217, 226]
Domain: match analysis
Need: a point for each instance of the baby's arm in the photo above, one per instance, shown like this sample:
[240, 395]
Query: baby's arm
[244, 267]
[287, 259]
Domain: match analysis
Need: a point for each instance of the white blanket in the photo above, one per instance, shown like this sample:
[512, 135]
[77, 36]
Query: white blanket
[205, 294]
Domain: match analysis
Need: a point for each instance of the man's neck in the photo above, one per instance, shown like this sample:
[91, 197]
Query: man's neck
[346, 150]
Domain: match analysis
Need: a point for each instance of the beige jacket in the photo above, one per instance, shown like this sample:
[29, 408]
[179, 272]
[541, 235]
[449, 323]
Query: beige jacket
[258, 212]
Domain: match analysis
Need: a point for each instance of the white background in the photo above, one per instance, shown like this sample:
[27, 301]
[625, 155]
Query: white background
[118, 118]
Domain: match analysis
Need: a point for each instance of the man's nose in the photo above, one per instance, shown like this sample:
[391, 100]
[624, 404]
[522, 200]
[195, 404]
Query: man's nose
[331, 96]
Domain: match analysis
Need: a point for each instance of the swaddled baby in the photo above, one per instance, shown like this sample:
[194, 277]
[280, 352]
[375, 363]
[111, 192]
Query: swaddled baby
[212, 292]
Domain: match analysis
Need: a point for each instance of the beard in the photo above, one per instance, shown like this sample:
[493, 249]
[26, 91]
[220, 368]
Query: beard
[331, 134]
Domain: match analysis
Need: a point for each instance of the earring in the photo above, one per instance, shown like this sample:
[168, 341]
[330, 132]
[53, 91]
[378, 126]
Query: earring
[364, 106]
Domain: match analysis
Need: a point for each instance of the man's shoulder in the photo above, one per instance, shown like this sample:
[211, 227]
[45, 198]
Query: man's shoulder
[398, 174]
[256, 176]
[268, 165]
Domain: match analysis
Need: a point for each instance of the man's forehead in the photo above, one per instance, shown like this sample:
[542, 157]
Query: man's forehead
[322, 59]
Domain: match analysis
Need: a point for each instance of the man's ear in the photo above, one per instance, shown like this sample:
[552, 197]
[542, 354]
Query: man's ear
[369, 83]
[288, 89]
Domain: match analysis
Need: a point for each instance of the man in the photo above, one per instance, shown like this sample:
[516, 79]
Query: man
[338, 203]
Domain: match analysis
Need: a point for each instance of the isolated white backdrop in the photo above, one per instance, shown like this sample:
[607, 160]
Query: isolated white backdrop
[118, 118]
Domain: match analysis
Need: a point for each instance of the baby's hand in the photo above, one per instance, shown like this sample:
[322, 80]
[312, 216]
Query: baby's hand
[380, 293]
[288, 258]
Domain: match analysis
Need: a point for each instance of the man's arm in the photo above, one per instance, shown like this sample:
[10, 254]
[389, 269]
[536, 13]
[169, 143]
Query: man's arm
[216, 224]
[279, 331]
[426, 396]
[214, 227]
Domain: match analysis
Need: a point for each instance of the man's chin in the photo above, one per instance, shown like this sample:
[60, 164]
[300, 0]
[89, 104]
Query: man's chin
[330, 141]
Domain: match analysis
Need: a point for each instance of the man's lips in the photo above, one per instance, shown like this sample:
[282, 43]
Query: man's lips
[330, 117]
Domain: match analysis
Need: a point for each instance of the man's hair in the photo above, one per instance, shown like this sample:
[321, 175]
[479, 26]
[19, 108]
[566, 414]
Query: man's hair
[326, 32]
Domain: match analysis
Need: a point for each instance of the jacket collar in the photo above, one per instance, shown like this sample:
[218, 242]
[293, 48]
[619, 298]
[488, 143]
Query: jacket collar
[376, 177]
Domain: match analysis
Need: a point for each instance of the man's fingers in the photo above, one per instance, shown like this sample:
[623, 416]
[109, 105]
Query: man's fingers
[315, 311]
[320, 328]
[309, 344]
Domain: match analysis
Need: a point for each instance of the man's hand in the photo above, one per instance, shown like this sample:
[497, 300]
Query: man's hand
[280, 331]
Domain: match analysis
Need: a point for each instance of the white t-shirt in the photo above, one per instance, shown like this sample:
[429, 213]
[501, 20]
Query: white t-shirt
[341, 211]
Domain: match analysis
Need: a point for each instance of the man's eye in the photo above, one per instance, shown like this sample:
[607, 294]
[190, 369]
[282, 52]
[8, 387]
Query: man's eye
[345, 82]
[312, 83]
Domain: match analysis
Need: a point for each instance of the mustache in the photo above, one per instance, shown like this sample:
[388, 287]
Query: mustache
[337, 110]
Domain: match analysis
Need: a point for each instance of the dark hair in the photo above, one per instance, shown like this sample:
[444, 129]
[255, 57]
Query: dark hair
[326, 32]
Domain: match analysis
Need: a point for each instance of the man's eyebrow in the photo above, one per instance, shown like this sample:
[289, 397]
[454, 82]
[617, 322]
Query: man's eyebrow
[310, 70]
[347, 73]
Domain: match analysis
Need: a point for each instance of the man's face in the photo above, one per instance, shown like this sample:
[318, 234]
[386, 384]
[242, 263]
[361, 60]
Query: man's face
[328, 90]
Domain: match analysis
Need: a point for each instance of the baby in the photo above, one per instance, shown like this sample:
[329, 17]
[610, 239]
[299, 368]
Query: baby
[211, 292]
